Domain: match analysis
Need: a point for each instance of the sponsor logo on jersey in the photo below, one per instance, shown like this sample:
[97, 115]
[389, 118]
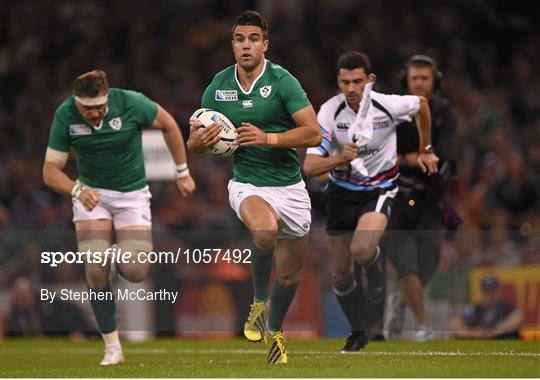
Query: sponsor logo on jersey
[265, 91]
[367, 152]
[79, 130]
[226, 96]
[342, 126]
[381, 125]
[247, 103]
[116, 123]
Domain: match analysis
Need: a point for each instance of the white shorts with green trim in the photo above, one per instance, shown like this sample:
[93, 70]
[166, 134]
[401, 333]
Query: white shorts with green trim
[131, 208]
[290, 203]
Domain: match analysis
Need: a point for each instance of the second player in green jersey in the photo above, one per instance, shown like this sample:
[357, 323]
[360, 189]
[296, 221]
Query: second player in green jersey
[104, 128]
[109, 155]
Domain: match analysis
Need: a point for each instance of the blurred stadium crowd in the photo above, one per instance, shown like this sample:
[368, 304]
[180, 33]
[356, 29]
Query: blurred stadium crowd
[169, 50]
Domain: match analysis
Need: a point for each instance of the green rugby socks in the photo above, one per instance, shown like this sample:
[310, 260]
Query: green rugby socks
[279, 305]
[261, 263]
[104, 310]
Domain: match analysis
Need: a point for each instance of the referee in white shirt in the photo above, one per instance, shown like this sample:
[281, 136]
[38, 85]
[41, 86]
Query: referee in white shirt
[359, 153]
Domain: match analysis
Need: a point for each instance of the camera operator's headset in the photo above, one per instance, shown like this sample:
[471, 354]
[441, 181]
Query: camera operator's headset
[426, 61]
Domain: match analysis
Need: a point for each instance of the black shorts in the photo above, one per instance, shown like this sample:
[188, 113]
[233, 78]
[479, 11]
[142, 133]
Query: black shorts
[344, 207]
[413, 239]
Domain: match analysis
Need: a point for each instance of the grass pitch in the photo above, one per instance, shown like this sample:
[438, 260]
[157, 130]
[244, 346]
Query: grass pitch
[238, 358]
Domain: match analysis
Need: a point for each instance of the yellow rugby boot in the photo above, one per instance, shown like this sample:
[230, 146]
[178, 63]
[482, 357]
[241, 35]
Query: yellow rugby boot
[255, 326]
[276, 348]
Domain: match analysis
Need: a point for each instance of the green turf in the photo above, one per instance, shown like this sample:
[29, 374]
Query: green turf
[238, 358]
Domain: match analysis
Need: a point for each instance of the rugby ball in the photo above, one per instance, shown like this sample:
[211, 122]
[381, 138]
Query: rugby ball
[227, 144]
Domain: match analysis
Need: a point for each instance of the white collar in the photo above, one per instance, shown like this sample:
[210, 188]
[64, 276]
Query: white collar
[255, 81]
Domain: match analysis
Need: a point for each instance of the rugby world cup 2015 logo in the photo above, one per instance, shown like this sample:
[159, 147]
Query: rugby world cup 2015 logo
[265, 91]
[226, 96]
[116, 123]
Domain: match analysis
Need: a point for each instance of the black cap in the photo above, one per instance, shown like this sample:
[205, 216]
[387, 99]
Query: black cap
[489, 282]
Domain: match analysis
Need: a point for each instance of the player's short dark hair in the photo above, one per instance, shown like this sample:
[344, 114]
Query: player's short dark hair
[253, 18]
[90, 84]
[354, 60]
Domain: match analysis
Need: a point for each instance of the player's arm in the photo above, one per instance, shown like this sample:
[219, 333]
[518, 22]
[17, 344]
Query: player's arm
[318, 161]
[316, 165]
[306, 134]
[426, 160]
[175, 142]
[55, 178]
[166, 123]
[53, 174]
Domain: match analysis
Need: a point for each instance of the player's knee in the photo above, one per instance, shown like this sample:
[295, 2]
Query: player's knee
[135, 272]
[97, 277]
[361, 252]
[289, 280]
[265, 240]
[343, 279]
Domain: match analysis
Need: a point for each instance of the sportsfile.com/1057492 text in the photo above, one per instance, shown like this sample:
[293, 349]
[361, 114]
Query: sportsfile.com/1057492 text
[117, 255]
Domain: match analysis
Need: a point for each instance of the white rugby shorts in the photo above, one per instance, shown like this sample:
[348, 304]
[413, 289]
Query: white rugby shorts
[131, 208]
[291, 204]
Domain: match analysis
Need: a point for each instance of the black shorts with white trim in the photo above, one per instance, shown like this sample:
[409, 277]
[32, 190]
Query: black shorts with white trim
[344, 207]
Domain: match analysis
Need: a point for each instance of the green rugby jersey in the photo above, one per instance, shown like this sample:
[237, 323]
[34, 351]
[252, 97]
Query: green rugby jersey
[109, 156]
[274, 97]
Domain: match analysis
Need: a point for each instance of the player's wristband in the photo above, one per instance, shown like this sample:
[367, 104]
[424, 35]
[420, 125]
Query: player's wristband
[182, 170]
[76, 191]
[272, 139]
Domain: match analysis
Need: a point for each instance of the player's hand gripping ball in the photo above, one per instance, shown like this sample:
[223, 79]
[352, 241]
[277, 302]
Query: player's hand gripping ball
[226, 144]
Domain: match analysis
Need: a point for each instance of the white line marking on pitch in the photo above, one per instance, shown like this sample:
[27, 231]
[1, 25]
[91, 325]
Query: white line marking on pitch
[160, 351]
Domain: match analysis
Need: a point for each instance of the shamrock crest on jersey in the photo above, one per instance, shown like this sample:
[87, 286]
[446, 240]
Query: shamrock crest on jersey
[265, 91]
[116, 123]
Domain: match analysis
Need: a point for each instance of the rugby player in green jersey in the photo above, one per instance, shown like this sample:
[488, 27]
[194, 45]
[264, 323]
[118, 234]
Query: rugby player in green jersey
[273, 116]
[104, 126]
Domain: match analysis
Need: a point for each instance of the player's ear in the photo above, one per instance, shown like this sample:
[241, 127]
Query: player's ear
[265, 45]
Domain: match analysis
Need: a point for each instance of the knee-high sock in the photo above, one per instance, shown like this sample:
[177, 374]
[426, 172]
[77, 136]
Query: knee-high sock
[279, 304]
[261, 264]
[351, 300]
[372, 313]
[104, 310]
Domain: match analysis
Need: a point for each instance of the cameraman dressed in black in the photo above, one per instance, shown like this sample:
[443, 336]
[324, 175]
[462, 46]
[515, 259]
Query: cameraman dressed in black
[417, 217]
